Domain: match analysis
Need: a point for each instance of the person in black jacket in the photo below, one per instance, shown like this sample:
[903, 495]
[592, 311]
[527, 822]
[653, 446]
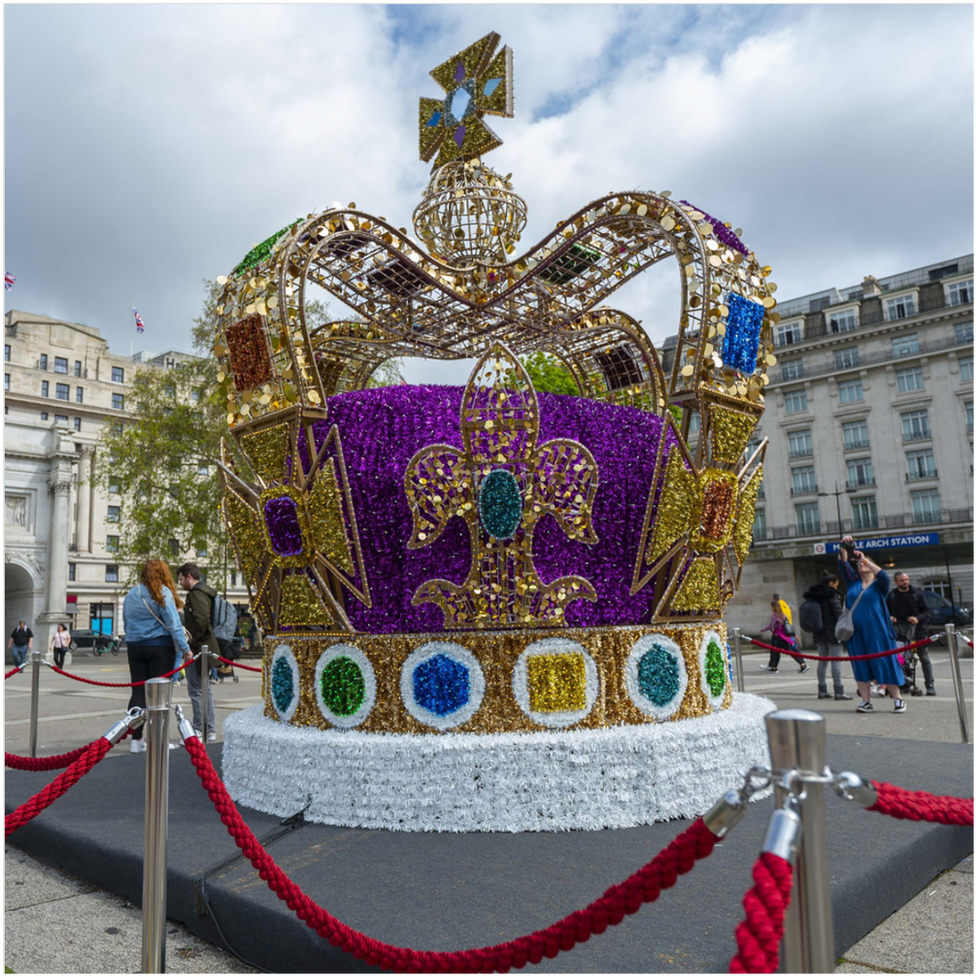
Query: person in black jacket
[827, 594]
[908, 608]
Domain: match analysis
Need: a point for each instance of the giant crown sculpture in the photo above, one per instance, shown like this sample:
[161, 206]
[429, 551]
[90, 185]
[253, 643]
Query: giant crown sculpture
[492, 560]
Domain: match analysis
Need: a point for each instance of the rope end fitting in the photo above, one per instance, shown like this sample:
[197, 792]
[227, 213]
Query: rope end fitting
[184, 725]
[850, 786]
[726, 813]
[134, 717]
[783, 834]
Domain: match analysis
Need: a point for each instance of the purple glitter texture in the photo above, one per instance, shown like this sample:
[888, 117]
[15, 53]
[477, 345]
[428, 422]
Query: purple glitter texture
[382, 429]
[721, 231]
[281, 518]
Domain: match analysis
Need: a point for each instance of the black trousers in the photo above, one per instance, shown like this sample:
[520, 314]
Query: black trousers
[774, 656]
[147, 661]
[59, 653]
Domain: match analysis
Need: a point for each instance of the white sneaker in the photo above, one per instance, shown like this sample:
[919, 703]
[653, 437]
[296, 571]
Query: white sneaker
[137, 745]
[211, 737]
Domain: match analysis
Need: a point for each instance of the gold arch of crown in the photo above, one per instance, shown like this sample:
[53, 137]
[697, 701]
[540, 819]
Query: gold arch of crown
[276, 372]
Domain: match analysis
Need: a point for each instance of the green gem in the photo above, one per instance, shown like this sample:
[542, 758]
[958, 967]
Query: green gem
[343, 687]
[715, 669]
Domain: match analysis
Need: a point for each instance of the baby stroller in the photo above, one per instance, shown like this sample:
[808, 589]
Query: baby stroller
[905, 632]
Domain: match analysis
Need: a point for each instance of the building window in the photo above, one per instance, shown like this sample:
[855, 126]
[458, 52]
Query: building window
[79, 395]
[796, 401]
[961, 292]
[111, 574]
[113, 487]
[60, 418]
[940, 587]
[846, 358]
[694, 423]
[925, 506]
[43, 363]
[906, 345]
[6, 382]
[860, 473]
[117, 427]
[77, 367]
[915, 426]
[45, 387]
[902, 307]
[910, 379]
[43, 415]
[850, 390]
[865, 511]
[195, 393]
[118, 374]
[60, 364]
[174, 547]
[808, 518]
[801, 443]
[921, 464]
[788, 334]
[169, 390]
[203, 470]
[62, 391]
[201, 553]
[759, 524]
[845, 321]
[118, 401]
[965, 332]
[804, 480]
[966, 369]
[969, 416]
[6, 354]
[114, 512]
[77, 423]
[72, 572]
[792, 370]
[112, 543]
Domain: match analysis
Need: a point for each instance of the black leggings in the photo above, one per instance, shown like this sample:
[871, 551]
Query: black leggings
[774, 655]
[147, 661]
[59, 653]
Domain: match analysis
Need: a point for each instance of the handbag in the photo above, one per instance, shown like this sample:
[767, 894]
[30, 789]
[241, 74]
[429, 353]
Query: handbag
[844, 628]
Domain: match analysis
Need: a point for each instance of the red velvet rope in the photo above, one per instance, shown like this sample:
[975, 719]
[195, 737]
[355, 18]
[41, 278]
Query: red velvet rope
[760, 934]
[624, 899]
[966, 639]
[236, 664]
[116, 684]
[40, 764]
[954, 811]
[847, 657]
[17, 670]
[91, 756]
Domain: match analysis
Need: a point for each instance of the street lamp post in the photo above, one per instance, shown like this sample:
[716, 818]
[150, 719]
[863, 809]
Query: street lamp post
[837, 492]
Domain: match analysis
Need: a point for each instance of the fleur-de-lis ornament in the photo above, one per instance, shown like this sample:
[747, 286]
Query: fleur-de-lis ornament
[501, 484]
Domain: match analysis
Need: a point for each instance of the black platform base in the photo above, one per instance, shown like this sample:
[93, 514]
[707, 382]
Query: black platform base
[457, 891]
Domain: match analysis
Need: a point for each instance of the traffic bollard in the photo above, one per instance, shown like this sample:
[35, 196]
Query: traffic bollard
[951, 639]
[740, 676]
[798, 743]
[158, 695]
[35, 657]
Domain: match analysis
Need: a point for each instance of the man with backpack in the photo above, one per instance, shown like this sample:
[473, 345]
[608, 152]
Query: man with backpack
[819, 613]
[909, 613]
[197, 616]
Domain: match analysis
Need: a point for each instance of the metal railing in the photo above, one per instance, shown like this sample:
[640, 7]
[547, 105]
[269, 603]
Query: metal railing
[857, 445]
[808, 490]
[856, 483]
[907, 520]
[916, 435]
[799, 452]
[922, 475]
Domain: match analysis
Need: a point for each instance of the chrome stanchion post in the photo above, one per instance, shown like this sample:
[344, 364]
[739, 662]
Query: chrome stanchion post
[798, 742]
[158, 695]
[740, 677]
[35, 658]
[951, 639]
[205, 686]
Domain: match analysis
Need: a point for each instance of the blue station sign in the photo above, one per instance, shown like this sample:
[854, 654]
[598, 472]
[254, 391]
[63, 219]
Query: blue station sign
[885, 542]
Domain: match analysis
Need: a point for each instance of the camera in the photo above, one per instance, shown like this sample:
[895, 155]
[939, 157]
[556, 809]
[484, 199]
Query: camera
[849, 549]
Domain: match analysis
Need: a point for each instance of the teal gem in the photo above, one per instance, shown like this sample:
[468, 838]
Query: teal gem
[658, 676]
[500, 504]
[282, 684]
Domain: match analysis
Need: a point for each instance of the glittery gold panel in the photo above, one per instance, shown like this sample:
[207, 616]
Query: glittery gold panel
[746, 515]
[247, 532]
[557, 682]
[497, 654]
[473, 58]
[300, 605]
[430, 135]
[325, 515]
[500, 101]
[501, 484]
[674, 510]
[729, 433]
[267, 451]
[478, 139]
[713, 511]
[698, 590]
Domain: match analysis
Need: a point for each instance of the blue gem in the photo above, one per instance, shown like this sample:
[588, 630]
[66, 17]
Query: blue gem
[434, 120]
[744, 324]
[491, 85]
[500, 504]
[282, 684]
[441, 685]
[658, 676]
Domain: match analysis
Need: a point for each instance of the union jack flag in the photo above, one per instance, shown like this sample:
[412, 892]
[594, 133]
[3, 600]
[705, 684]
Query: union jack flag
[140, 325]
[8, 280]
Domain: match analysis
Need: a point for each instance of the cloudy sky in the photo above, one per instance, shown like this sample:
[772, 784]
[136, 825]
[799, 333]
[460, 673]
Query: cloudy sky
[149, 147]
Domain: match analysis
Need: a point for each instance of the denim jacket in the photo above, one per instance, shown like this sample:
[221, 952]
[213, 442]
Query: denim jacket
[142, 626]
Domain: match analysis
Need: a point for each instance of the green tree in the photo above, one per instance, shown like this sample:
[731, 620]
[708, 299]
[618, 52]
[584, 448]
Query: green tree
[549, 375]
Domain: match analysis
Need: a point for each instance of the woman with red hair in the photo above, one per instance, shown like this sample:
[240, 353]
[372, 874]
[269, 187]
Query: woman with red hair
[152, 629]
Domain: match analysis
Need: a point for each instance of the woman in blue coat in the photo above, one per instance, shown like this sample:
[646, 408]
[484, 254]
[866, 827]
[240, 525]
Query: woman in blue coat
[872, 628]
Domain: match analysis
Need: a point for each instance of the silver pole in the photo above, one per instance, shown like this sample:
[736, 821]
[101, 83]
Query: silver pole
[951, 639]
[205, 686]
[158, 694]
[798, 740]
[740, 677]
[35, 697]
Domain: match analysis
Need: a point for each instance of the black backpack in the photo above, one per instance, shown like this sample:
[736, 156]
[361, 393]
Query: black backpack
[811, 616]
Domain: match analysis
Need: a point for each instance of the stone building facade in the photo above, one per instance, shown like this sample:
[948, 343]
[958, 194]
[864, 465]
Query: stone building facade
[62, 384]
